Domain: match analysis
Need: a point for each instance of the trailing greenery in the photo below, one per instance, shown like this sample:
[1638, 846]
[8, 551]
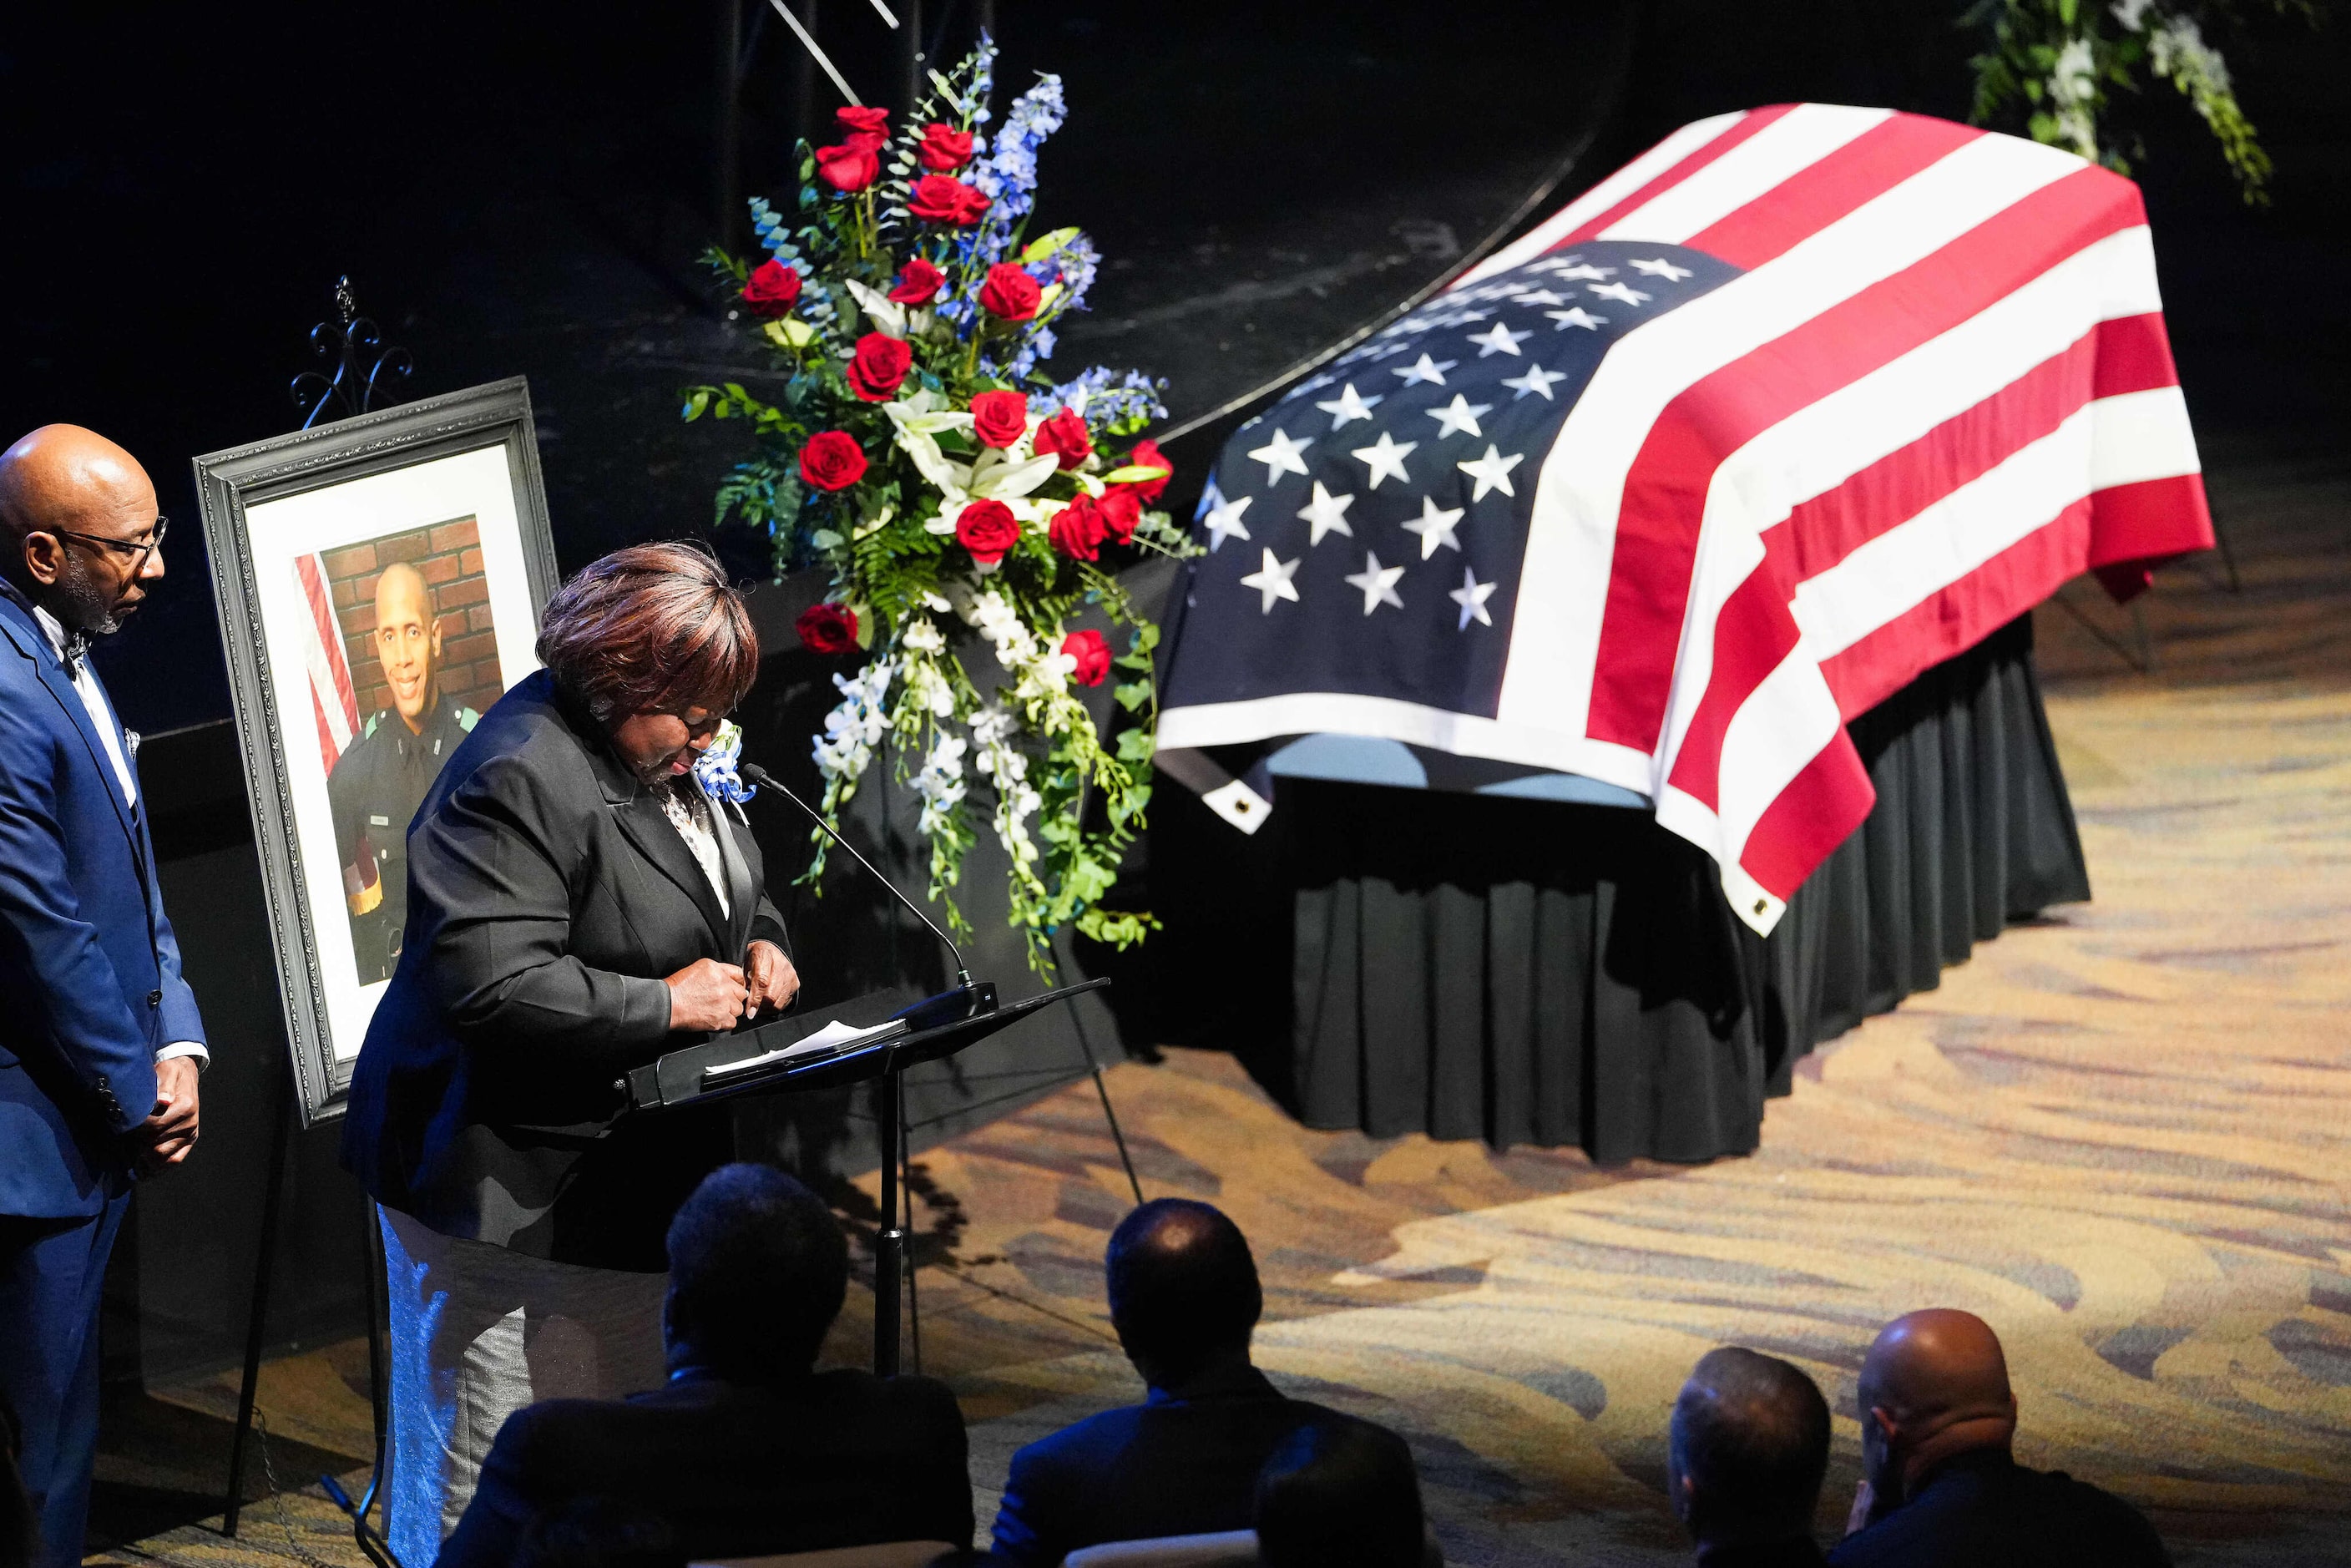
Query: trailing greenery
[2059, 64]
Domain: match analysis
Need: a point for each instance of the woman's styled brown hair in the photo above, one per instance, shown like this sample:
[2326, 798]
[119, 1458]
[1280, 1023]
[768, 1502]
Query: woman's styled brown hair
[651, 629]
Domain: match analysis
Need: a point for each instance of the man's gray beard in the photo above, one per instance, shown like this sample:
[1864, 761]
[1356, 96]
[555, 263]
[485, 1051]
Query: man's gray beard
[82, 605]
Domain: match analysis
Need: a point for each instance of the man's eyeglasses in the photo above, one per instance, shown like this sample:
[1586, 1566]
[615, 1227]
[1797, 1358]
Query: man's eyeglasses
[138, 550]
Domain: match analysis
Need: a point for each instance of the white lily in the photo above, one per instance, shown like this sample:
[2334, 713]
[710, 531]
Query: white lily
[919, 421]
[993, 475]
[889, 316]
[998, 476]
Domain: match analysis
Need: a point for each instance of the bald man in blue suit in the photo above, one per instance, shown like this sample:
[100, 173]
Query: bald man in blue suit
[100, 1044]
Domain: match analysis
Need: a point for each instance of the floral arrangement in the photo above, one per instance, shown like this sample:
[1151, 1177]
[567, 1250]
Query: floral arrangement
[2058, 59]
[966, 505]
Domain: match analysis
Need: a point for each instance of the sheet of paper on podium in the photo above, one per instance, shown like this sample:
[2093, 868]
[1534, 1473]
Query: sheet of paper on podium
[830, 1041]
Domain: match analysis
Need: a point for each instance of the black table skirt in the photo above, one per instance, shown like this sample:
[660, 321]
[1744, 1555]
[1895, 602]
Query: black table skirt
[1529, 972]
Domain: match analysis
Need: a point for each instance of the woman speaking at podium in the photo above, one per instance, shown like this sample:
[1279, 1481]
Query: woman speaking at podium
[577, 906]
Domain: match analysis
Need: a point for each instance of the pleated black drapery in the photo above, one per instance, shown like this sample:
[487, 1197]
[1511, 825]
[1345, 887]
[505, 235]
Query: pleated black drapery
[1531, 972]
[1972, 829]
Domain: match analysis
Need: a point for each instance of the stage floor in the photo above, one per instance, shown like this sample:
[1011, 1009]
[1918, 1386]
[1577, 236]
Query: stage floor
[2117, 1133]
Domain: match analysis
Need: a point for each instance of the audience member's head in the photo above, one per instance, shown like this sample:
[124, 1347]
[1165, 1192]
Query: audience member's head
[1339, 1494]
[758, 1268]
[1750, 1444]
[1935, 1383]
[596, 1533]
[1183, 1294]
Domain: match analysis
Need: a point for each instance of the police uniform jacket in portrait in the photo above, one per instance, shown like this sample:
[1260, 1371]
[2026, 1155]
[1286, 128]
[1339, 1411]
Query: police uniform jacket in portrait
[549, 894]
[374, 790]
[90, 987]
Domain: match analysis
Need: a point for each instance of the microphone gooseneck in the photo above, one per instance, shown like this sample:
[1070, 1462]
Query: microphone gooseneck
[766, 781]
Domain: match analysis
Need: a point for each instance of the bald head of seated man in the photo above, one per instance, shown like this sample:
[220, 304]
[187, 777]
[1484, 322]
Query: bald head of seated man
[1940, 1482]
[82, 528]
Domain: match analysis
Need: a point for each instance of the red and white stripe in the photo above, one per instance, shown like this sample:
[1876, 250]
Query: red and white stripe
[1940, 388]
[334, 702]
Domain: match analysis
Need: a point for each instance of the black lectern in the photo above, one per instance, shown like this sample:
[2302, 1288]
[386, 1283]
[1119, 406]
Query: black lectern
[885, 1034]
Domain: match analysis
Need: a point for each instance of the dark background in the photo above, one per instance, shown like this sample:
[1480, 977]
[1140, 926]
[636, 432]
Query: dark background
[524, 190]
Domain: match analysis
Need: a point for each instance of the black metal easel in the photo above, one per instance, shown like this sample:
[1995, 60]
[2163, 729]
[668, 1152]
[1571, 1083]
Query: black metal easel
[364, 373]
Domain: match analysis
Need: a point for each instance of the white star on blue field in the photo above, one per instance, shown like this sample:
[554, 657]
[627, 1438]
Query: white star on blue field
[1378, 513]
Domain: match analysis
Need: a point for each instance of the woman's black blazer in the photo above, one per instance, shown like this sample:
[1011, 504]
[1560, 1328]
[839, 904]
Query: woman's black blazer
[547, 895]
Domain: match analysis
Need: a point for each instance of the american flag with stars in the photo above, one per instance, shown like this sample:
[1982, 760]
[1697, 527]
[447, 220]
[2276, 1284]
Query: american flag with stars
[1795, 405]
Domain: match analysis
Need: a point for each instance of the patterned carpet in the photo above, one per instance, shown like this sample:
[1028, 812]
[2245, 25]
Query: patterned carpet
[2117, 1135]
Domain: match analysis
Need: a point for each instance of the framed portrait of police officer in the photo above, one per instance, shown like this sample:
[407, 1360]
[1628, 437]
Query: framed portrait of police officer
[379, 581]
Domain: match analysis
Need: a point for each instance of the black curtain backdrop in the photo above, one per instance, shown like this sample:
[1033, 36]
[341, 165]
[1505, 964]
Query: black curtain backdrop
[1528, 972]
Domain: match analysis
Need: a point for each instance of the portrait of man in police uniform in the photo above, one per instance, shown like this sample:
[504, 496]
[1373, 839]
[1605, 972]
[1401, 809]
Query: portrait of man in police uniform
[377, 785]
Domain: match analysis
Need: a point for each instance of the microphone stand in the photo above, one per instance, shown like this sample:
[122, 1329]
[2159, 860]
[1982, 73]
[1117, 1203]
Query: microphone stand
[889, 1104]
[766, 781]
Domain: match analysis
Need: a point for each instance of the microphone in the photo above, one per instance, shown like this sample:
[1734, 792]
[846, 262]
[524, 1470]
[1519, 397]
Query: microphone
[766, 781]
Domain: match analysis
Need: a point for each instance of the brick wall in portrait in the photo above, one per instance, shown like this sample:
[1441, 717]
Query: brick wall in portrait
[450, 556]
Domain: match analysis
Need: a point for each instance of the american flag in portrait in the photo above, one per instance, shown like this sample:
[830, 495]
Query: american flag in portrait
[1797, 404]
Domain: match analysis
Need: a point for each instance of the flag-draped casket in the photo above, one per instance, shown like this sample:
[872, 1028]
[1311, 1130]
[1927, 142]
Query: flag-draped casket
[1799, 403]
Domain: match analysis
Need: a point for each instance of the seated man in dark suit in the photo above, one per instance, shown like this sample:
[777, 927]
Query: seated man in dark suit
[1747, 1446]
[1184, 1298]
[748, 1451]
[1340, 1495]
[1939, 1484]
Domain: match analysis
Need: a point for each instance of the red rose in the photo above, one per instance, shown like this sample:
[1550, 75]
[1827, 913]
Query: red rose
[943, 149]
[771, 289]
[851, 168]
[1000, 418]
[918, 282]
[1120, 509]
[988, 529]
[1065, 433]
[1147, 455]
[1092, 655]
[1076, 529]
[880, 363]
[827, 629]
[871, 126]
[1009, 293]
[832, 460]
[943, 199]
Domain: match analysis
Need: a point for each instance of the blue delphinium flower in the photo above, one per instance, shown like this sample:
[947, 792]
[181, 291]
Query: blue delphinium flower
[1078, 262]
[1116, 401]
[1007, 175]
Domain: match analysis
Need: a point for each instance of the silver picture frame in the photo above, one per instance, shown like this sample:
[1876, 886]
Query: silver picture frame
[338, 491]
